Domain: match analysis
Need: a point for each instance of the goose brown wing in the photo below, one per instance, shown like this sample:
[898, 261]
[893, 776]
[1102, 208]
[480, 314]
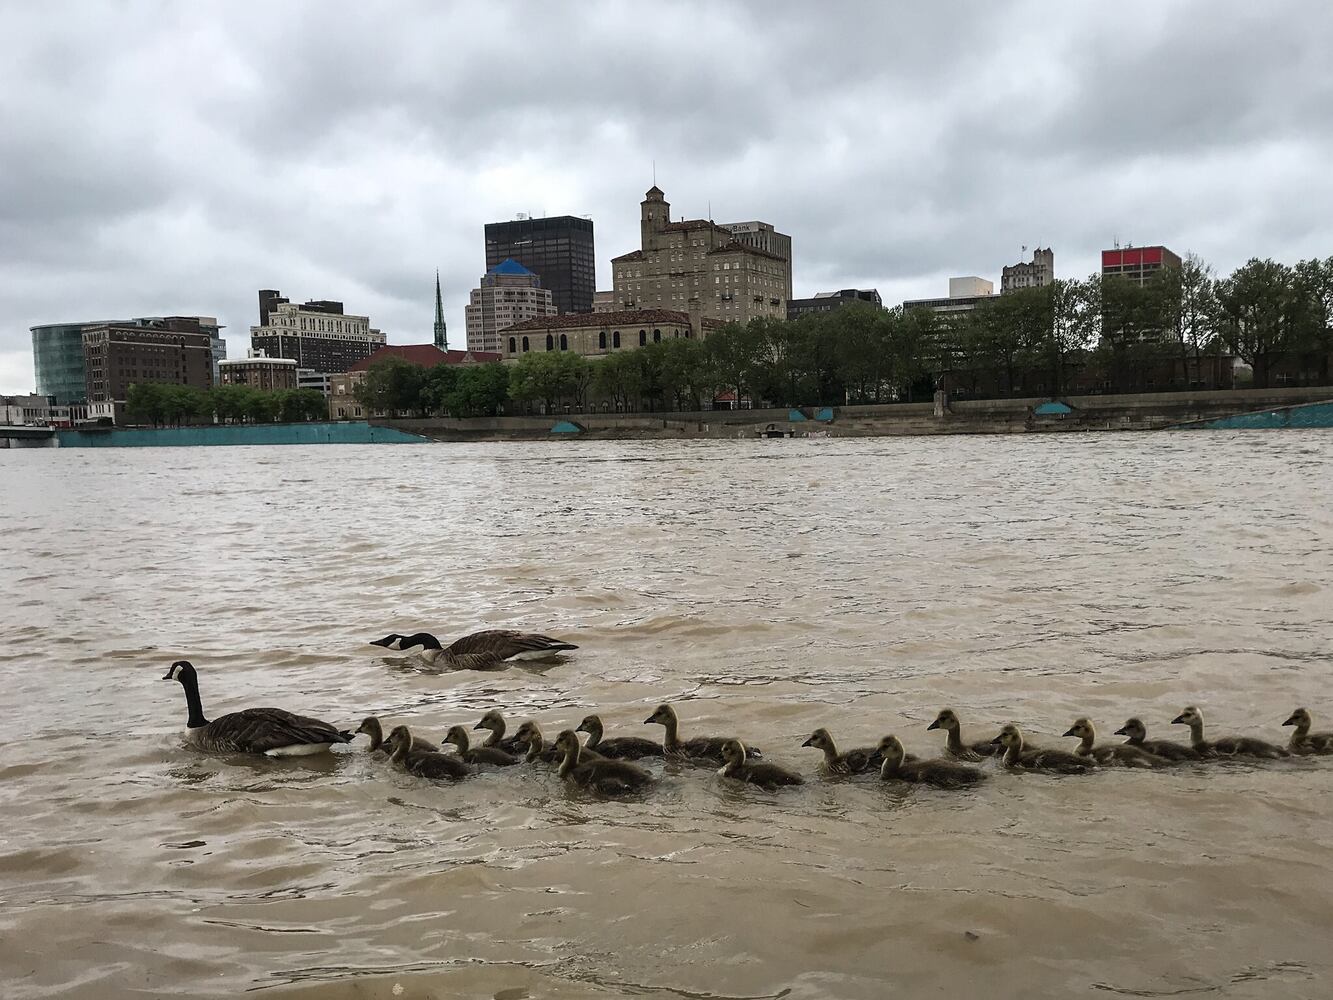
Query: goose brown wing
[258, 730]
[1168, 749]
[469, 661]
[628, 748]
[504, 643]
[770, 774]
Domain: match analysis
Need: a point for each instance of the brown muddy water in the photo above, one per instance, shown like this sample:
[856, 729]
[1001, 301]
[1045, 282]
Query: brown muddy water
[766, 588]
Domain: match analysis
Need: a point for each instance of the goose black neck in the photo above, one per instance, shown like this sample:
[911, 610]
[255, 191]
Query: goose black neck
[191, 684]
[422, 639]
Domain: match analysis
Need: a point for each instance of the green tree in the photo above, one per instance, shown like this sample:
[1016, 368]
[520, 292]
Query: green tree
[147, 401]
[538, 378]
[862, 357]
[479, 390]
[392, 385]
[438, 389]
[1261, 313]
[619, 376]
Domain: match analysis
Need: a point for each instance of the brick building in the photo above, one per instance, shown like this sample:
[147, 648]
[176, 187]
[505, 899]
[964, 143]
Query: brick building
[175, 350]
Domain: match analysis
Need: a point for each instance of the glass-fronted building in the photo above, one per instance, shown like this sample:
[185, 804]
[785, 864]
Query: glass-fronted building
[57, 356]
[559, 250]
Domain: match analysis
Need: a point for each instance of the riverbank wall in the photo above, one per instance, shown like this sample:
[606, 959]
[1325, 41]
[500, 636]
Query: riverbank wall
[1130, 412]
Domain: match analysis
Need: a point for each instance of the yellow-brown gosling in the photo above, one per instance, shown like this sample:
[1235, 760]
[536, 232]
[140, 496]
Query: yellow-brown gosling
[1302, 740]
[618, 747]
[1136, 735]
[940, 773]
[537, 749]
[423, 763]
[457, 735]
[494, 720]
[706, 749]
[851, 762]
[272, 732]
[1227, 746]
[370, 725]
[1113, 753]
[953, 743]
[1042, 759]
[609, 777]
[753, 772]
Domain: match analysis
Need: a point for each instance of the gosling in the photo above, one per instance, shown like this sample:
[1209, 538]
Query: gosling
[1057, 761]
[1302, 740]
[457, 735]
[423, 763]
[940, 773]
[1136, 734]
[370, 725]
[851, 762]
[618, 747]
[537, 750]
[1118, 753]
[954, 745]
[609, 777]
[494, 720]
[1227, 746]
[752, 772]
[703, 749]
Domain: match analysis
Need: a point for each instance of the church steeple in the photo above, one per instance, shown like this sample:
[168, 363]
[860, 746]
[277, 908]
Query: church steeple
[441, 333]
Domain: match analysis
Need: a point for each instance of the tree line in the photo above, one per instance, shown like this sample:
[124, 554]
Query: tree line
[1105, 331]
[165, 405]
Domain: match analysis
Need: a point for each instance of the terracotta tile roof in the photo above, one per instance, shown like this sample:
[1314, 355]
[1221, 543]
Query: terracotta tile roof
[601, 321]
[626, 258]
[687, 225]
[425, 355]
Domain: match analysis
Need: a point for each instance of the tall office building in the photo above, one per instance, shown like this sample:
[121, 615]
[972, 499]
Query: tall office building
[509, 293]
[559, 250]
[317, 335]
[176, 350]
[1137, 264]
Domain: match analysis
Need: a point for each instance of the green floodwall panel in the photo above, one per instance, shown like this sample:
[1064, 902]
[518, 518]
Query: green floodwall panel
[794, 415]
[339, 432]
[1311, 415]
[566, 427]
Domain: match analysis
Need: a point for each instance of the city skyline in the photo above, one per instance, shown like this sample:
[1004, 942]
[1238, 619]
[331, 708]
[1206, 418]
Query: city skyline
[894, 174]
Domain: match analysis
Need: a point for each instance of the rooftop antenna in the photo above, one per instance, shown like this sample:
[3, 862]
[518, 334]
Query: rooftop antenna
[654, 173]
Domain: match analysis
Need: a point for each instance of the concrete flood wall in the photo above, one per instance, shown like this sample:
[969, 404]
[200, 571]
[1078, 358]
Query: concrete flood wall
[342, 432]
[1142, 411]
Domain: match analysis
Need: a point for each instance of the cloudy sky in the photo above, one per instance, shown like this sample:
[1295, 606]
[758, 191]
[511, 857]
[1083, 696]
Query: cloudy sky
[166, 157]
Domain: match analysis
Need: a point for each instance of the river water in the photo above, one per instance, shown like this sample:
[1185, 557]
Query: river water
[765, 588]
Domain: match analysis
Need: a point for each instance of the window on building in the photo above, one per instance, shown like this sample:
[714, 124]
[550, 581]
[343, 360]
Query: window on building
[550, 342]
[643, 337]
[657, 336]
[512, 345]
[601, 340]
[564, 342]
[525, 343]
[615, 338]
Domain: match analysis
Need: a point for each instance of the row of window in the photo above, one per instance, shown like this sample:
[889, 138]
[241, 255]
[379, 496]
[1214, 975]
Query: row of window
[514, 342]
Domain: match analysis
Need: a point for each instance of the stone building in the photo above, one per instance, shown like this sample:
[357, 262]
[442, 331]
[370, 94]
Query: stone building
[509, 293]
[176, 350]
[317, 335]
[596, 335]
[343, 404]
[258, 371]
[1039, 273]
[694, 261]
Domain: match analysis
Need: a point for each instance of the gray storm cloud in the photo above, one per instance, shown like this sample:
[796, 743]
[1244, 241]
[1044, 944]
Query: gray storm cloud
[159, 158]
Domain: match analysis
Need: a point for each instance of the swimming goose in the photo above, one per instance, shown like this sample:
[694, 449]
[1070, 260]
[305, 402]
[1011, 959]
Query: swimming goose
[483, 650]
[1059, 761]
[940, 773]
[270, 731]
[495, 722]
[536, 748]
[1302, 740]
[423, 763]
[457, 735]
[851, 762]
[1117, 753]
[610, 777]
[754, 772]
[370, 725]
[702, 748]
[1136, 733]
[1227, 746]
[954, 745]
[618, 747]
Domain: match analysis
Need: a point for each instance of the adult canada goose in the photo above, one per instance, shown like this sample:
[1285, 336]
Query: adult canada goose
[610, 777]
[370, 725]
[1227, 746]
[1115, 753]
[701, 748]
[940, 773]
[754, 772]
[495, 722]
[404, 752]
[272, 732]
[1136, 734]
[1302, 740]
[457, 735]
[851, 762]
[1043, 759]
[618, 747]
[484, 650]
[953, 743]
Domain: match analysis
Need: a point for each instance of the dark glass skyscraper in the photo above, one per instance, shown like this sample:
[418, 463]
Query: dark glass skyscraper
[559, 250]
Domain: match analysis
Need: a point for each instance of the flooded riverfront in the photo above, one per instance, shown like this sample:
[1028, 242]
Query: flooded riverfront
[765, 588]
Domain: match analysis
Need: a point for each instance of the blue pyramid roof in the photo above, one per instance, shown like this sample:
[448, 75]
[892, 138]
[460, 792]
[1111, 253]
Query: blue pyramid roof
[509, 266]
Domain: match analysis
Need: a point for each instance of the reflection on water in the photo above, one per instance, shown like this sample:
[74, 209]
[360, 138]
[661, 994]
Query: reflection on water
[766, 588]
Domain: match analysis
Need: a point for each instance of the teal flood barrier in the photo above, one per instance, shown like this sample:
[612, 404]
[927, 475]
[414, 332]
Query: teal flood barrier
[331, 432]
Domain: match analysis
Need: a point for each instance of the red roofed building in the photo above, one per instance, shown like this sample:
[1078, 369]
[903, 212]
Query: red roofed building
[343, 404]
[728, 273]
[1137, 264]
[595, 335]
